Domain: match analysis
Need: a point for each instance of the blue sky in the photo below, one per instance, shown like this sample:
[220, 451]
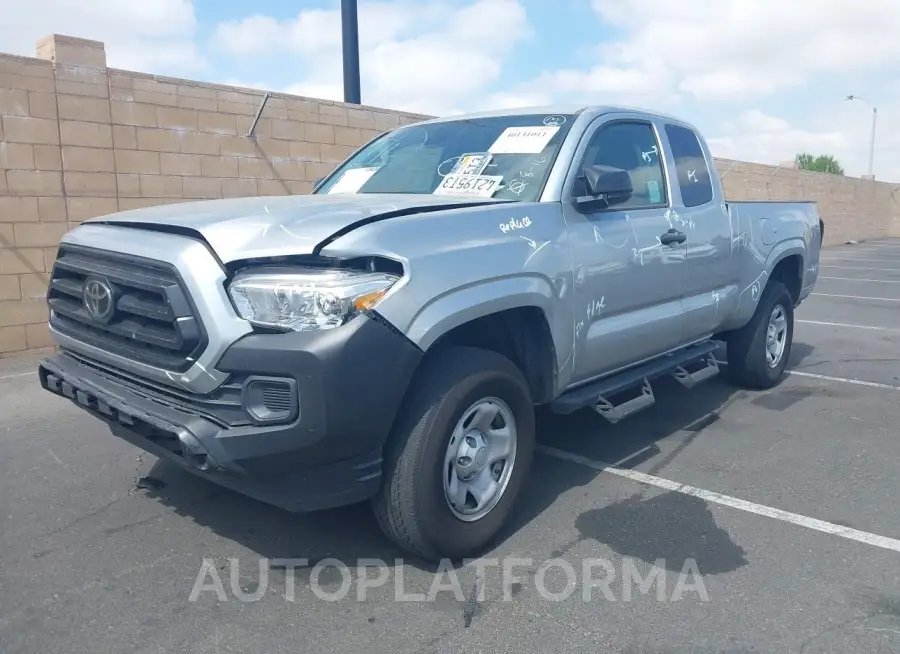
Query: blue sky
[572, 18]
[763, 79]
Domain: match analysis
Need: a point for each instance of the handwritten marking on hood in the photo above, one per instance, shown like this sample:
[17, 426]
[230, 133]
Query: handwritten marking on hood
[288, 232]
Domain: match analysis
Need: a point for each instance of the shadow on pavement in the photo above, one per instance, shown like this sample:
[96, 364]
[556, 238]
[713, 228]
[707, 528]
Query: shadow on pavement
[351, 533]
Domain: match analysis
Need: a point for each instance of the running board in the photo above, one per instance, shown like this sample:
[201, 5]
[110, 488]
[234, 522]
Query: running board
[616, 412]
[596, 394]
[690, 379]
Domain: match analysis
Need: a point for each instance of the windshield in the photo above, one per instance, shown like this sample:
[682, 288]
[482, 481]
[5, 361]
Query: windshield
[502, 157]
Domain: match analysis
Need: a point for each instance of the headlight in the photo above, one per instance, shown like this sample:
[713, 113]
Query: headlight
[304, 300]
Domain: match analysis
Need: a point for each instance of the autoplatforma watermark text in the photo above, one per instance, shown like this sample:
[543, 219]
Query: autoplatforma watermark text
[554, 580]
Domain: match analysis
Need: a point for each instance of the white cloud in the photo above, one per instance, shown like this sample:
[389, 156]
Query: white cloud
[757, 136]
[324, 91]
[737, 49]
[843, 132]
[431, 57]
[762, 78]
[604, 85]
[730, 64]
[508, 100]
[150, 36]
[729, 51]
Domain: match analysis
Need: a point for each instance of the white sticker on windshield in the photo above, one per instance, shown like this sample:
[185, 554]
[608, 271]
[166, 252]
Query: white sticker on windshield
[524, 140]
[469, 185]
[472, 163]
[352, 180]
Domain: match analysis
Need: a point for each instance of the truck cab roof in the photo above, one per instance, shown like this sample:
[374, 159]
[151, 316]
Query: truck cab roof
[566, 109]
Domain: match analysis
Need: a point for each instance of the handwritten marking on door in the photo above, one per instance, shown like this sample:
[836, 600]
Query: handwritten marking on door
[595, 307]
[515, 224]
[638, 254]
[535, 248]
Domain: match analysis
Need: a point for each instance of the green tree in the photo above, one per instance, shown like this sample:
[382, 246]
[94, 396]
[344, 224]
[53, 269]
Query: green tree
[823, 163]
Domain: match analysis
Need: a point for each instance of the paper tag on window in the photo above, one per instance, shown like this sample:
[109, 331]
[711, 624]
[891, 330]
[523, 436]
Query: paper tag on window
[653, 191]
[523, 140]
[352, 180]
[469, 185]
[472, 163]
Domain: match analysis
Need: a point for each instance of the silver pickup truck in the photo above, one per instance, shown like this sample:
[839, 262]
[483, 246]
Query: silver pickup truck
[388, 337]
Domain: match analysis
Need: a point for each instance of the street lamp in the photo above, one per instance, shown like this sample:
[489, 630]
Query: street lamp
[872, 142]
[350, 46]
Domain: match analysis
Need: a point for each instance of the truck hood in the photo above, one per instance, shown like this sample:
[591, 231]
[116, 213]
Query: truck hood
[246, 228]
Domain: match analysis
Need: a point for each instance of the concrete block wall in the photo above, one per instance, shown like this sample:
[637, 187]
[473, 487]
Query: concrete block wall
[79, 139]
[852, 208]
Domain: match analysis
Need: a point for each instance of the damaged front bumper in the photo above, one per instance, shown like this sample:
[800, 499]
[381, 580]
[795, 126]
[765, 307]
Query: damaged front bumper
[300, 425]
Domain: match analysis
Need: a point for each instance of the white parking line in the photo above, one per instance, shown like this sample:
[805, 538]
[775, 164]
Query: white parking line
[845, 324]
[857, 382]
[843, 380]
[863, 268]
[859, 297]
[857, 279]
[726, 500]
[873, 260]
[22, 374]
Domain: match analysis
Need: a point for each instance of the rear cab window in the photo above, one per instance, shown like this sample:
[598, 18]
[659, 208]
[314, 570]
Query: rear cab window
[691, 166]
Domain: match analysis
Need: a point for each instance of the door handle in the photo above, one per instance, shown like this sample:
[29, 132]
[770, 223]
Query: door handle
[672, 237]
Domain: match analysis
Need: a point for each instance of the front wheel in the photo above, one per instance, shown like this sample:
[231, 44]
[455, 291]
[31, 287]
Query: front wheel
[759, 351]
[460, 451]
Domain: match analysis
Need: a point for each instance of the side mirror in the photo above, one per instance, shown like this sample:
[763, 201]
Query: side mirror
[605, 186]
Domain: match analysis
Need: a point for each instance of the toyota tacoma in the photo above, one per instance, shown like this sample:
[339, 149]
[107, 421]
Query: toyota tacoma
[387, 337]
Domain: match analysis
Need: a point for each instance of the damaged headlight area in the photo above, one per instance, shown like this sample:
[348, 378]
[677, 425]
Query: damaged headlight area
[307, 299]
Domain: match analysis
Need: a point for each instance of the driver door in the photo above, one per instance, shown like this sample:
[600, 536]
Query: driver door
[628, 285]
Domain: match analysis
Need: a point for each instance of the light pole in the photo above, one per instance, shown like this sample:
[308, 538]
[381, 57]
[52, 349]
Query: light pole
[872, 141]
[350, 47]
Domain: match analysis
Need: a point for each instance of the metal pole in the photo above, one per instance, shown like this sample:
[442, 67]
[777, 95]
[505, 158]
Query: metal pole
[350, 43]
[262, 105]
[872, 142]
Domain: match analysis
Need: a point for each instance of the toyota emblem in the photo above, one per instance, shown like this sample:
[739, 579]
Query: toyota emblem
[98, 300]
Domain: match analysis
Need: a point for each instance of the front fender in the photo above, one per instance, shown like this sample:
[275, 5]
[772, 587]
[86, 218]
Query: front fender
[464, 264]
[461, 305]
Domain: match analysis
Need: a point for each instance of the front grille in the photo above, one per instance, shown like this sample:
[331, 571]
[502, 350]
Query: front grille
[153, 321]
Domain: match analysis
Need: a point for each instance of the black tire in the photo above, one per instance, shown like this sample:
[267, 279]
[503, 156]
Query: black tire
[411, 506]
[746, 348]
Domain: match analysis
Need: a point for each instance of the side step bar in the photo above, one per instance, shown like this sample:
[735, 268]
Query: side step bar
[677, 364]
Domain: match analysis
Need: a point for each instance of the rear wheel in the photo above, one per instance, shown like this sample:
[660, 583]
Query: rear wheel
[460, 452]
[759, 351]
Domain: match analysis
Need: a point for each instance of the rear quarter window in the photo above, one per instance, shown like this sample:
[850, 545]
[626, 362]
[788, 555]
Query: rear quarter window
[691, 166]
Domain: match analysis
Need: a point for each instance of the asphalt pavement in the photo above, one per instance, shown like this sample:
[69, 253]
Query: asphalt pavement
[720, 520]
